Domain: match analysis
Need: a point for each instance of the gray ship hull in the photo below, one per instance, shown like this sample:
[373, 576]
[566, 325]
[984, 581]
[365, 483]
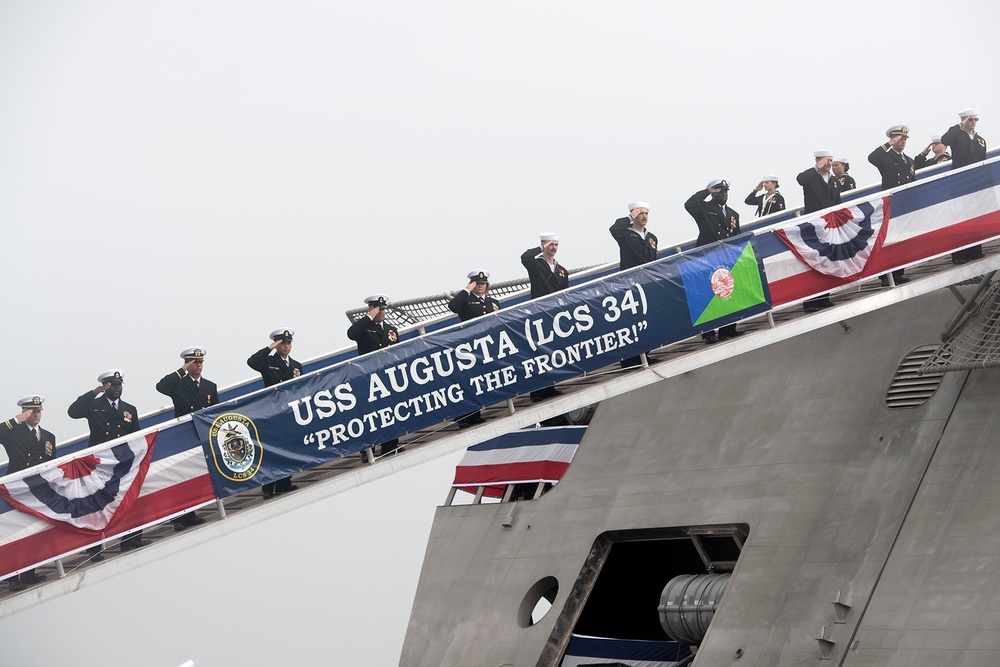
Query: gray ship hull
[892, 514]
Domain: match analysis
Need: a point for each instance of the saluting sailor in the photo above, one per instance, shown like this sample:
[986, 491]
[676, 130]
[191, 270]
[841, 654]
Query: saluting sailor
[109, 417]
[897, 169]
[544, 272]
[27, 444]
[189, 392]
[715, 221]
[636, 245]
[473, 301]
[771, 201]
[372, 332]
[275, 365]
[470, 303]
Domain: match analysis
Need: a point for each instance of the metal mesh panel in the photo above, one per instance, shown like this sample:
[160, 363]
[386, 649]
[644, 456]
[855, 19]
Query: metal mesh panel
[409, 312]
[974, 340]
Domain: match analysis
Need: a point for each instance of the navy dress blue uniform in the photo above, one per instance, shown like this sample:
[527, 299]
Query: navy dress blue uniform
[817, 192]
[896, 168]
[23, 448]
[716, 221]
[273, 370]
[634, 250]
[469, 306]
[108, 420]
[846, 182]
[369, 336]
[966, 150]
[544, 279]
[188, 395]
[765, 205]
[922, 161]
[26, 446]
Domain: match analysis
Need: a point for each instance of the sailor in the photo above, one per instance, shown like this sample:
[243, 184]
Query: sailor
[771, 201]
[896, 168]
[275, 366]
[967, 147]
[820, 189]
[544, 272]
[716, 221]
[189, 391]
[470, 303]
[546, 276]
[940, 153]
[109, 417]
[27, 444]
[372, 332]
[845, 182]
[636, 245]
[473, 301]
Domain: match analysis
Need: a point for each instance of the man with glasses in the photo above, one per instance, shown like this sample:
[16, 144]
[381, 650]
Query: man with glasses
[967, 147]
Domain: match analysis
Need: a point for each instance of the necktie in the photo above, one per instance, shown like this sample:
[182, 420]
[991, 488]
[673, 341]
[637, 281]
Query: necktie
[38, 434]
[114, 404]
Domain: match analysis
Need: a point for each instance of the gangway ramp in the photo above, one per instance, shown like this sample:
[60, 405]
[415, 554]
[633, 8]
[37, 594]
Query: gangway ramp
[930, 273]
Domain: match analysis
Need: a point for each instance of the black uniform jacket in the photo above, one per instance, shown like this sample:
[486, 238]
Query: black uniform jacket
[817, 193]
[777, 203]
[896, 168]
[272, 368]
[187, 396]
[965, 150]
[23, 449]
[634, 249]
[846, 183]
[469, 306]
[370, 336]
[543, 280]
[921, 161]
[712, 226]
[105, 423]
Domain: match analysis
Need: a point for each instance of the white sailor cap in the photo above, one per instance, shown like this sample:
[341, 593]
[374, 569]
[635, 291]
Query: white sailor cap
[194, 353]
[284, 334]
[898, 131]
[548, 236]
[480, 276]
[935, 138]
[637, 204]
[114, 376]
[769, 177]
[720, 183]
[822, 153]
[379, 300]
[33, 402]
[971, 111]
[841, 159]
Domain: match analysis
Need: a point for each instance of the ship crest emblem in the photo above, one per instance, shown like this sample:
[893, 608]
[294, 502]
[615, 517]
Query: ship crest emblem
[235, 445]
[723, 282]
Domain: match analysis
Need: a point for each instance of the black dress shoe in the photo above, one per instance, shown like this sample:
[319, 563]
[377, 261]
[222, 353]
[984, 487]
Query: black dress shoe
[178, 526]
[268, 495]
[133, 544]
[15, 584]
[884, 280]
[825, 303]
[193, 519]
[33, 578]
[959, 261]
[710, 338]
[900, 280]
[95, 554]
[287, 489]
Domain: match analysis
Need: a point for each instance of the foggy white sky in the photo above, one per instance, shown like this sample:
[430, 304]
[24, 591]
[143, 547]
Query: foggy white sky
[199, 173]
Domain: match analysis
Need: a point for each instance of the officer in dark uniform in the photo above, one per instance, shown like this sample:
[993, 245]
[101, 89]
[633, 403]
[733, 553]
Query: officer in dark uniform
[820, 189]
[546, 276]
[109, 417]
[27, 444]
[896, 169]
[967, 147]
[371, 332]
[468, 304]
[715, 221]
[845, 182]
[276, 368]
[940, 150]
[473, 302]
[189, 391]
[636, 245]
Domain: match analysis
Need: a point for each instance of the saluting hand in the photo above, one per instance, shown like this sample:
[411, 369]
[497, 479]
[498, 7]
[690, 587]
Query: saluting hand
[274, 344]
[24, 415]
[373, 311]
[471, 286]
[102, 388]
[760, 186]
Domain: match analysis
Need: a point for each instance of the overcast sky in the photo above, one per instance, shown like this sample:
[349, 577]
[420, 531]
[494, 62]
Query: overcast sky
[200, 173]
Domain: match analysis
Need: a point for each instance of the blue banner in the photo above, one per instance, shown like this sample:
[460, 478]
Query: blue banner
[346, 408]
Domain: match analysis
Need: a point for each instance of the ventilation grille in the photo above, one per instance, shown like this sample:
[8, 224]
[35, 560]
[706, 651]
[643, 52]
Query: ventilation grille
[909, 389]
